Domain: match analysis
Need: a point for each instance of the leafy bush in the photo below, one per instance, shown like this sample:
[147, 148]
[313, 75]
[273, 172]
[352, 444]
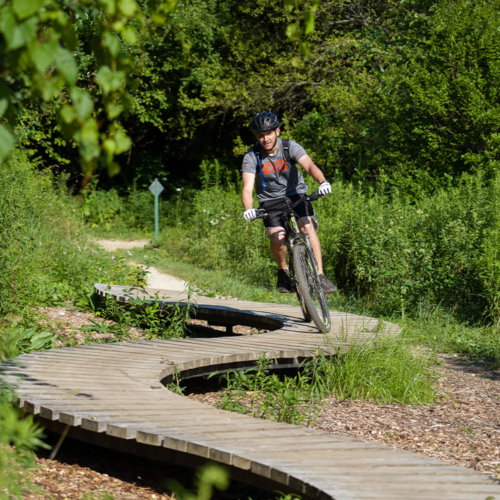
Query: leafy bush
[47, 258]
[101, 208]
[417, 104]
[18, 438]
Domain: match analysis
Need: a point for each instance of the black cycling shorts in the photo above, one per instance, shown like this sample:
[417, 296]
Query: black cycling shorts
[276, 216]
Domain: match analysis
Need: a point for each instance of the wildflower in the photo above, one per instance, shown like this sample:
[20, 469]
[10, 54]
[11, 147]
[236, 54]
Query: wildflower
[129, 253]
[64, 253]
[112, 257]
[178, 189]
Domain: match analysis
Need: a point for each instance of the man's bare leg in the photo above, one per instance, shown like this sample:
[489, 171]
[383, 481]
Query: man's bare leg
[306, 226]
[278, 248]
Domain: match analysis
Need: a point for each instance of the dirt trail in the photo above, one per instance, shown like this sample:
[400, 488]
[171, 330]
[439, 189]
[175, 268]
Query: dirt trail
[156, 278]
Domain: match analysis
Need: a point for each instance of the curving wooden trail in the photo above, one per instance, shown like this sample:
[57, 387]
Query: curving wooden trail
[113, 395]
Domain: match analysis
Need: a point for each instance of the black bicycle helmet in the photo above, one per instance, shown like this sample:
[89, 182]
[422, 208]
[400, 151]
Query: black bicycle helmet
[264, 121]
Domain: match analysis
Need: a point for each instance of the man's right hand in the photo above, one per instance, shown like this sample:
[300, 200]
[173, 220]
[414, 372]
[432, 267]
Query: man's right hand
[250, 214]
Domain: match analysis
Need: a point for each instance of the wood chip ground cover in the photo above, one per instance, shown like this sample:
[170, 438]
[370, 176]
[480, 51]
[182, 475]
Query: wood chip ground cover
[463, 429]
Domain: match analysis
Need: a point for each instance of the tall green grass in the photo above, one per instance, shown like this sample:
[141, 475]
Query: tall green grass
[384, 371]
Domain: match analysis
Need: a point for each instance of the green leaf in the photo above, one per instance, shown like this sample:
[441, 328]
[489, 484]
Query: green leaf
[109, 5]
[122, 142]
[113, 169]
[82, 103]
[290, 4]
[7, 142]
[293, 31]
[67, 32]
[113, 110]
[43, 55]
[66, 64]
[4, 97]
[108, 80]
[304, 48]
[158, 18]
[68, 114]
[8, 22]
[309, 16]
[88, 140]
[127, 7]
[17, 34]
[26, 8]
[112, 43]
[42, 340]
[128, 34]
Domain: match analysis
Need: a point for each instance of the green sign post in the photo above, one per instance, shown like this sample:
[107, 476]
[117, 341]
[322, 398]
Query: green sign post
[156, 188]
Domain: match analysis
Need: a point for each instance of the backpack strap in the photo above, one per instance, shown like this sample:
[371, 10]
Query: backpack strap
[256, 152]
[286, 150]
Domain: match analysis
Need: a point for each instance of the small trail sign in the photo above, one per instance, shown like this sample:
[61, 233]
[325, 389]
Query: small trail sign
[156, 188]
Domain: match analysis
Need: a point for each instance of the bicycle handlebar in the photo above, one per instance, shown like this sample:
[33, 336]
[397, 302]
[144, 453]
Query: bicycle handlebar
[262, 214]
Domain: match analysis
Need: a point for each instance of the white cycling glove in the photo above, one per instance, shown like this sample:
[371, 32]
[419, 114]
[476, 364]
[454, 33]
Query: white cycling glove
[325, 188]
[250, 214]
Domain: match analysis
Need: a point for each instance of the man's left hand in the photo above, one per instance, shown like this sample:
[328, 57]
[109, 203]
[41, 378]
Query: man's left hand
[325, 188]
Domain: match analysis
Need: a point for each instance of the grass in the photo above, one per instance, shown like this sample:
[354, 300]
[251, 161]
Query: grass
[387, 372]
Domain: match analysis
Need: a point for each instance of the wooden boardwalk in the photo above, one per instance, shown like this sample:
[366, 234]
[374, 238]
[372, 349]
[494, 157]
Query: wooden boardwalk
[113, 395]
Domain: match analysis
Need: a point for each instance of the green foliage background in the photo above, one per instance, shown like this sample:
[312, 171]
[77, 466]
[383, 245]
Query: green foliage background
[400, 92]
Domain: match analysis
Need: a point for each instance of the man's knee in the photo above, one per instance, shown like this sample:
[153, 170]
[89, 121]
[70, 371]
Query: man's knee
[306, 225]
[277, 236]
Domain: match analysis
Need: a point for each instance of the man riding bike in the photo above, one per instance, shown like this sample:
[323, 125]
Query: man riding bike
[273, 162]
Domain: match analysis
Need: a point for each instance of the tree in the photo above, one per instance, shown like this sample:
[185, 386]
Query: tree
[38, 47]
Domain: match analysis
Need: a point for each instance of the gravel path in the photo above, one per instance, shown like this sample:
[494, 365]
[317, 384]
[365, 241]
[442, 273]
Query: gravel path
[156, 278]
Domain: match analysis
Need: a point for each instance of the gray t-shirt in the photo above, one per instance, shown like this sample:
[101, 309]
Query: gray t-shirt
[281, 179]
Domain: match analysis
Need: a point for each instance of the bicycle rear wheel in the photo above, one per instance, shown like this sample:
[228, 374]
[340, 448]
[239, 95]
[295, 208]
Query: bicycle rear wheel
[311, 295]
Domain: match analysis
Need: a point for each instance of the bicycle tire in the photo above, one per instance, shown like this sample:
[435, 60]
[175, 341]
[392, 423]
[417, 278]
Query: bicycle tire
[305, 314]
[309, 290]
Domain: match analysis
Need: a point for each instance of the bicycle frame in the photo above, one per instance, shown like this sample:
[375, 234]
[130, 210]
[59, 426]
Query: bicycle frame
[293, 235]
[304, 273]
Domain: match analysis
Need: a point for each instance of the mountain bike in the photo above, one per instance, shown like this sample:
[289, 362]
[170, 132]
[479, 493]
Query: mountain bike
[304, 273]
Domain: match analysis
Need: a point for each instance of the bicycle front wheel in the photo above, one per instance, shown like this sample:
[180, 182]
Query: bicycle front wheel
[311, 294]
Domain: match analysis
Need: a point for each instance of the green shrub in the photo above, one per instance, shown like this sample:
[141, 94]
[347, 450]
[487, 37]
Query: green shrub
[101, 208]
[19, 437]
